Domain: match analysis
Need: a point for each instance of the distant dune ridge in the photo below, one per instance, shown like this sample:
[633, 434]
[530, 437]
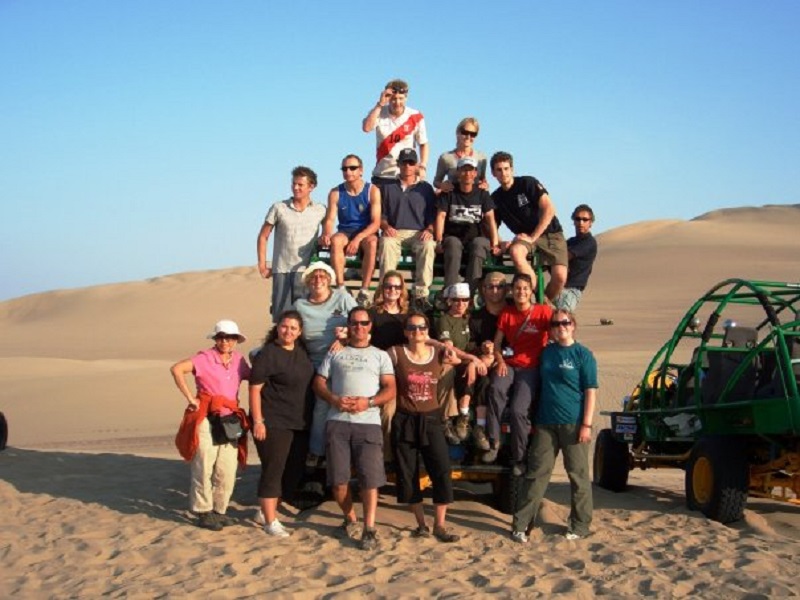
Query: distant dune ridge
[86, 370]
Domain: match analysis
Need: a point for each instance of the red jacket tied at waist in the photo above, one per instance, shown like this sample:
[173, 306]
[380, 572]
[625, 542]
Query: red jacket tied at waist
[187, 440]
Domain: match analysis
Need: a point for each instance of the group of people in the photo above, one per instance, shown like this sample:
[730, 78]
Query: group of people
[351, 382]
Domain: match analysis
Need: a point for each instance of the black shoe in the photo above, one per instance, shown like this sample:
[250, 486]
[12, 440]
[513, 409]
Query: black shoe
[207, 520]
[462, 427]
[224, 520]
[421, 532]
[369, 539]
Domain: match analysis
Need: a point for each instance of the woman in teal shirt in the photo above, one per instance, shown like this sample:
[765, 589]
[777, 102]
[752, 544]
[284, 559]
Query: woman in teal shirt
[568, 372]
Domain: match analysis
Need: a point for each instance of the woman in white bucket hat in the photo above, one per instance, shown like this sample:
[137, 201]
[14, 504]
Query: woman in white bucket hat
[202, 439]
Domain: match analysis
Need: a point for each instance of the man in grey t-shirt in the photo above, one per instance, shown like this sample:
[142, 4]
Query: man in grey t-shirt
[296, 223]
[355, 382]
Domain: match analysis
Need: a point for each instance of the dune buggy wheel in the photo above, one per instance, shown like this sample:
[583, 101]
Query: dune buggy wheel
[3, 431]
[611, 462]
[717, 478]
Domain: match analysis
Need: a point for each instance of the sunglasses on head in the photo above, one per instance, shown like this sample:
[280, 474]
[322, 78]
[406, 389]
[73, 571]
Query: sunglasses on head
[400, 90]
[468, 133]
[414, 327]
[561, 323]
[350, 167]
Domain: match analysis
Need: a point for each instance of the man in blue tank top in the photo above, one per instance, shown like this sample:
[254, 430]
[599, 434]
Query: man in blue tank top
[357, 205]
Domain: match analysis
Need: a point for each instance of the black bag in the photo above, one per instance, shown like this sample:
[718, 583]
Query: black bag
[225, 429]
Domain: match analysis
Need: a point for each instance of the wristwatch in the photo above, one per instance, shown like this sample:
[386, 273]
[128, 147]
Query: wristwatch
[371, 402]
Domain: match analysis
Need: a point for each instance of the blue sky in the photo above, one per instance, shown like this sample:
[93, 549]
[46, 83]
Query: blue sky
[145, 138]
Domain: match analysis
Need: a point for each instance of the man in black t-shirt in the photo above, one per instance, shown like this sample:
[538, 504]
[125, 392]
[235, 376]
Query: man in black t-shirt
[582, 249]
[462, 217]
[524, 205]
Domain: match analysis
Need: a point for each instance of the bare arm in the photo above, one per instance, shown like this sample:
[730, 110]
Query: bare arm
[330, 217]
[179, 372]
[494, 237]
[502, 368]
[546, 213]
[261, 250]
[589, 400]
[375, 215]
[371, 120]
[438, 226]
[254, 398]
[423, 159]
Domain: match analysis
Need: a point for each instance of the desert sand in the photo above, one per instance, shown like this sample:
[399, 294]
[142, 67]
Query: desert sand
[94, 493]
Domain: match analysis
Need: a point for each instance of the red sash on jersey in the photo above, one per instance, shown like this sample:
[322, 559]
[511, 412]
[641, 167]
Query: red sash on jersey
[398, 134]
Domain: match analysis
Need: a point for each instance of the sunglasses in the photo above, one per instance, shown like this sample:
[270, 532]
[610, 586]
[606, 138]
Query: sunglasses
[398, 90]
[226, 337]
[350, 168]
[392, 286]
[581, 219]
[468, 133]
[495, 287]
[561, 323]
[365, 323]
[409, 163]
[412, 327]
[459, 299]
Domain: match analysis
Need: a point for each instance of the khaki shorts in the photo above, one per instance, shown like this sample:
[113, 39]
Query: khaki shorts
[552, 247]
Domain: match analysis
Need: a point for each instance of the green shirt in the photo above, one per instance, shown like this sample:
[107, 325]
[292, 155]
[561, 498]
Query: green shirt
[566, 372]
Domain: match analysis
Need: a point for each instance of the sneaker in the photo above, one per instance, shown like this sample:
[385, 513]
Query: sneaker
[520, 537]
[571, 535]
[444, 536]
[462, 427]
[369, 539]
[480, 439]
[259, 518]
[206, 520]
[489, 456]
[348, 529]
[450, 434]
[362, 299]
[224, 520]
[276, 529]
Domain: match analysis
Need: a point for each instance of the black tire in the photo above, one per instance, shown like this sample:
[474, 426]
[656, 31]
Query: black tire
[506, 490]
[3, 431]
[717, 478]
[611, 463]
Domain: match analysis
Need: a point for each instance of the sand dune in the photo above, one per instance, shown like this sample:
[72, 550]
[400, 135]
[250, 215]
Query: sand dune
[94, 494]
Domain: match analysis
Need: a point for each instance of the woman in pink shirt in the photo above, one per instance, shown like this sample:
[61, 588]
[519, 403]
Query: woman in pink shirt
[218, 373]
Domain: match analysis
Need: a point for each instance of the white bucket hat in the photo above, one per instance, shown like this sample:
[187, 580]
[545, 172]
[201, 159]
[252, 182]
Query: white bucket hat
[457, 290]
[318, 266]
[228, 328]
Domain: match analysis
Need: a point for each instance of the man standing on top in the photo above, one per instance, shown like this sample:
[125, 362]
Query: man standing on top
[524, 205]
[396, 127]
[296, 224]
[407, 214]
[358, 207]
[582, 250]
[462, 217]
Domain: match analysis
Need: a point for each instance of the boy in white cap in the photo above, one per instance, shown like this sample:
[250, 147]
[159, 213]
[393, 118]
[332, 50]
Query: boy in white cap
[452, 329]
